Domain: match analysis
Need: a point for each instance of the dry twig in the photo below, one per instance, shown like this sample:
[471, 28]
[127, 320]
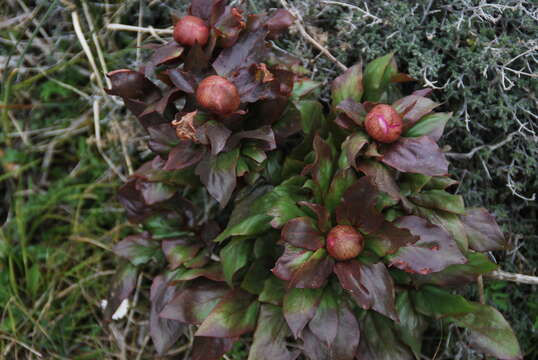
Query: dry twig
[306, 35]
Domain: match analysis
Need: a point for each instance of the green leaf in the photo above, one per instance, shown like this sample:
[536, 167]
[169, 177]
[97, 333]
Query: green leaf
[33, 279]
[341, 181]
[254, 151]
[377, 75]
[138, 249]
[300, 307]
[273, 291]
[179, 251]
[431, 124]
[234, 256]
[269, 342]
[413, 183]
[412, 325]
[348, 85]
[380, 339]
[435, 302]
[252, 225]
[490, 333]
[258, 272]
[440, 199]
[234, 316]
[323, 166]
[312, 118]
[351, 148]
[303, 88]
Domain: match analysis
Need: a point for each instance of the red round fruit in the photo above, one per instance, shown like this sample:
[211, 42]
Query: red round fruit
[344, 242]
[218, 95]
[384, 124]
[190, 30]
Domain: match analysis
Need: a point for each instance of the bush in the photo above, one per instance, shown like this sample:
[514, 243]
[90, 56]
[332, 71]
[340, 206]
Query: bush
[235, 208]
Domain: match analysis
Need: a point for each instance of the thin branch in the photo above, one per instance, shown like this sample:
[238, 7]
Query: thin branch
[306, 35]
[149, 29]
[87, 51]
[354, 7]
[517, 278]
[471, 153]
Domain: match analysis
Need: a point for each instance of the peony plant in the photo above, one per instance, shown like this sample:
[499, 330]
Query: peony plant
[309, 230]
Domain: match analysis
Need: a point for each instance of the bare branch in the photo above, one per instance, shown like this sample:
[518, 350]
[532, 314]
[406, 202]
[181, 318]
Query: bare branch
[306, 35]
[513, 277]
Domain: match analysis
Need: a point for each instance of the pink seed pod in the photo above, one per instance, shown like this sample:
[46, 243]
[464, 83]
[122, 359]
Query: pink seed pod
[384, 124]
[344, 242]
[190, 30]
[218, 95]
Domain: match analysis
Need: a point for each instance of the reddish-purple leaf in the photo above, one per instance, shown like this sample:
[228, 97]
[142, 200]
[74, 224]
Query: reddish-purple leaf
[196, 60]
[132, 200]
[264, 135]
[303, 268]
[193, 304]
[207, 9]
[183, 155]
[301, 232]
[210, 348]
[358, 206]
[416, 155]
[162, 138]
[353, 110]
[299, 308]
[459, 274]
[217, 173]
[381, 177]
[178, 251]
[229, 25]
[324, 324]
[413, 107]
[269, 341]
[183, 80]
[482, 230]
[130, 84]
[370, 285]
[249, 49]
[347, 339]
[279, 22]
[164, 332]
[389, 239]
[164, 54]
[313, 348]
[123, 284]
[254, 83]
[234, 316]
[322, 214]
[432, 253]
[215, 134]
[321, 169]
[154, 192]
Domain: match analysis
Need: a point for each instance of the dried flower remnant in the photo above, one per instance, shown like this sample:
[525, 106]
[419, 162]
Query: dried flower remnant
[184, 126]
